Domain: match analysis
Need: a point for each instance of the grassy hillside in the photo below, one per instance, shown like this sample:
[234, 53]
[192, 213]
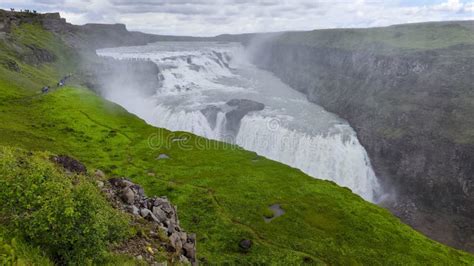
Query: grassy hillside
[222, 192]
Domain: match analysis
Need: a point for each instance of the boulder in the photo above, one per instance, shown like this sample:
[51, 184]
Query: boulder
[138, 190]
[100, 184]
[128, 196]
[171, 227]
[133, 210]
[183, 259]
[245, 244]
[147, 214]
[163, 157]
[210, 112]
[176, 242]
[189, 250]
[159, 213]
[120, 182]
[126, 183]
[98, 173]
[159, 201]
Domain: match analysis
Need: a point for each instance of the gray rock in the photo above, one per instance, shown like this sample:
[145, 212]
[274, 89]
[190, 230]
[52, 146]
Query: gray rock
[128, 196]
[210, 112]
[120, 182]
[133, 210]
[163, 157]
[241, 107]
[100, 184]
[159, 213]
[127, 183]
[190, 250]
[138, 190]
[245, 244]
[70, 164]
[147, 214]
[159, 201]
[171, 227]
[167, 208]
[183, 259]
[175, 241]
[192, 238]
[184, 236]
[157, 210]
[98, 173]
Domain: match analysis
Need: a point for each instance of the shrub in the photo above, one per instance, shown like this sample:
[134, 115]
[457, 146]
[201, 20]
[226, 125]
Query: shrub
[13, 252]
[7, 254]
[65, 215]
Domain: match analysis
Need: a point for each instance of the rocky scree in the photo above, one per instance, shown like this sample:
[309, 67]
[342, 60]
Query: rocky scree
[159, 212]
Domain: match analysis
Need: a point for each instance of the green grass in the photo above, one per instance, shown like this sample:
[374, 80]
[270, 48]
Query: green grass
[221, 192]
[18, 252]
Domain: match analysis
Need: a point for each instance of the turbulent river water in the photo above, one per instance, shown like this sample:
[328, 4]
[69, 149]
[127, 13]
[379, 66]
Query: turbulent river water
[199, 79]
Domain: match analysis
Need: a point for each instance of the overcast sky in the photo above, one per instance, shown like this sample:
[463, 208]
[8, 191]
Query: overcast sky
[212, 17]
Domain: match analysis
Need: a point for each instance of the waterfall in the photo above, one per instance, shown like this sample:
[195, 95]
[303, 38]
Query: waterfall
[202, 84]
[336, 157]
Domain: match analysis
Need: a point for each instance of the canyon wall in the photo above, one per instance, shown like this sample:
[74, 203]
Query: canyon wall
[408, 92]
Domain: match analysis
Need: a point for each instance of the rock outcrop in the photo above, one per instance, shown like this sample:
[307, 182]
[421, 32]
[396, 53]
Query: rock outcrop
[211, 112]
[411, 111]
[70, 164]
[234, 110]
[240, 108]
[131, 198]
[84, 37]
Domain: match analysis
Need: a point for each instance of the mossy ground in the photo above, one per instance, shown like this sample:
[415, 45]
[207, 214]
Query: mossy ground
[221, 191]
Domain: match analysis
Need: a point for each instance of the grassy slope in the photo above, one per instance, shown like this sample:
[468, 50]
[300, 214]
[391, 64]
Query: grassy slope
[16, 251]
[222, 192]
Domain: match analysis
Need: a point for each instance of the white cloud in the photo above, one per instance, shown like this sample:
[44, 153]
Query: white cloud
[212, 17]
[450, 5]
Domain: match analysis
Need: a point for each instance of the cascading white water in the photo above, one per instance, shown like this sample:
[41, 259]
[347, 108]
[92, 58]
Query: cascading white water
[337, 157]
[204, 76]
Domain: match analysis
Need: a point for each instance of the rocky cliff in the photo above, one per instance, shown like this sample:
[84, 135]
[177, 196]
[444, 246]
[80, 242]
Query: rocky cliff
[84, 37]
[408, 92]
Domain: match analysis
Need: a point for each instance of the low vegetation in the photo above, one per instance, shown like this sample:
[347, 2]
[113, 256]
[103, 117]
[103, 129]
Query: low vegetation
[65, 215]
[222, 191]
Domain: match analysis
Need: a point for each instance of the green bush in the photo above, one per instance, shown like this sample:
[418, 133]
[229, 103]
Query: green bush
[14, 252]
[65, 215]
[7, 254]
